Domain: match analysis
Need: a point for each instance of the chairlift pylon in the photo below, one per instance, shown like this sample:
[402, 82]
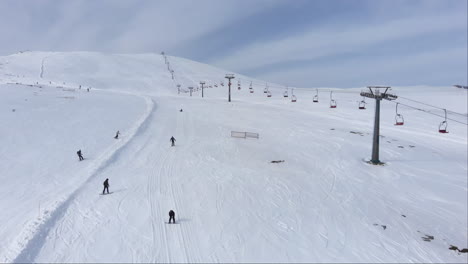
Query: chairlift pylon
[399, 120]
[443, 125]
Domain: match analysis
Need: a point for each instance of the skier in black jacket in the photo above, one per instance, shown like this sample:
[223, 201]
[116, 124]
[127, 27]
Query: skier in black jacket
[173, 141]
[171, 216]
[106, 186]
[80, 156]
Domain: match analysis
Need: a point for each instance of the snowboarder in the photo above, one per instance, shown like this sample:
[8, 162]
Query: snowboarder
[80, 156]
[106, 186]
[117, 134]
[173, 141]
[171, 216]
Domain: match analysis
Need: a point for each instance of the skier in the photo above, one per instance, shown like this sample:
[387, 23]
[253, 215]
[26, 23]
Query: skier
[106, 186]
[117, 134]
[173, 141]
[171, 216]
[181, 110]
[80, 156]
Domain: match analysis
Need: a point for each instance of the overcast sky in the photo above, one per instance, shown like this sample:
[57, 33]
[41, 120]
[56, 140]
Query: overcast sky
[302, 43]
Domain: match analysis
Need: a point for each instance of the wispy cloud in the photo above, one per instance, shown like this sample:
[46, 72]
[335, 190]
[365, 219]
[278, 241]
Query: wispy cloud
[338, 39]
[116, 26]
[438, 67]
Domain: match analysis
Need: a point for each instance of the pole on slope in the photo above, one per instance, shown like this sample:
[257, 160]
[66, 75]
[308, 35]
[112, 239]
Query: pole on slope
[202, 83]
[229, 77]
[378, 97]
[190, 88]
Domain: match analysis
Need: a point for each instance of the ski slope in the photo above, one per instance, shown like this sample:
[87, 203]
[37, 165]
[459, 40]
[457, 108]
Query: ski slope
[324, 203]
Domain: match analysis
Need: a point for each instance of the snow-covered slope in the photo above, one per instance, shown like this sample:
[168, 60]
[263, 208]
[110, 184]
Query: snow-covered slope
[322, 204]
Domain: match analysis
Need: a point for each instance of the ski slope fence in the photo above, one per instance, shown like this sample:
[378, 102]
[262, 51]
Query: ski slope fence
[237, 134]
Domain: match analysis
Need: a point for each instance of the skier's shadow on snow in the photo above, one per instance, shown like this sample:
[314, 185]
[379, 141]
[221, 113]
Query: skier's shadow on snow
[181, 220]
[119, 190]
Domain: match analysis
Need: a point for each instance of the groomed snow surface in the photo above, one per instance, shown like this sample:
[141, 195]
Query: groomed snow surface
[324, 203]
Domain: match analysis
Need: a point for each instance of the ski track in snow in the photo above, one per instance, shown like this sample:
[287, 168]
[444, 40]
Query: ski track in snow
[34, 245]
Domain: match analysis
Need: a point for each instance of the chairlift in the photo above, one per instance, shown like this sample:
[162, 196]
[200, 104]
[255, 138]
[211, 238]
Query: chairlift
[443, 124]
[293, 98]
[362, 104]
[251, 90]
[399, 120]
[285, 94]
[268, 94]
[265, 90]
[315, 100]
[332, 102]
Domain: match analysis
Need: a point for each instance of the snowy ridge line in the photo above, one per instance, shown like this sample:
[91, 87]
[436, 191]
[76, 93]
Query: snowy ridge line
[33, 246]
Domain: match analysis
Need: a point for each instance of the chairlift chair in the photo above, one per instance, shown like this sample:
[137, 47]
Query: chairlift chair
[399, 120]
[293, 98]
[362, 105]
[285, 94]
[265, 90]
[443, 127]
[332, 102]
[443, 124]
[315, 100]
[268, 94]
[251, 90]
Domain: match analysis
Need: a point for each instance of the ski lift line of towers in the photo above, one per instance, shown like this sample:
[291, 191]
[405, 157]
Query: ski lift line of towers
[399, 120]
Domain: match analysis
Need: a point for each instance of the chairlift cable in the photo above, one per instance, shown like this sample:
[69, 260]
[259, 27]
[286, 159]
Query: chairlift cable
[443, 116]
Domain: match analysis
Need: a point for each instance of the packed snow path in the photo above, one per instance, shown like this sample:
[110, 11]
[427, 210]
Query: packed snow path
[322, 204]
